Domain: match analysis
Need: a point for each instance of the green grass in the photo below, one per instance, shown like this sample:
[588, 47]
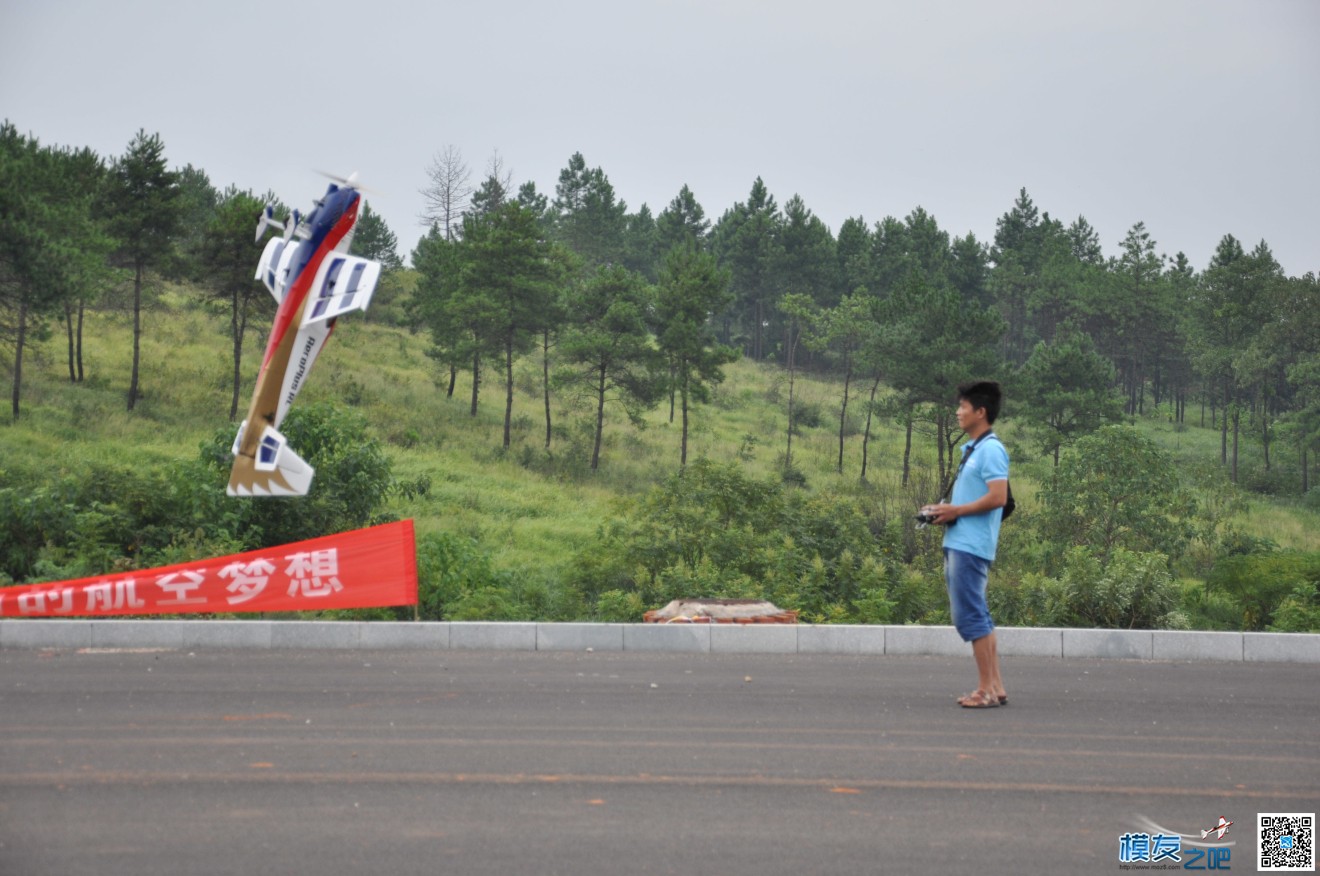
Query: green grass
[531, 510]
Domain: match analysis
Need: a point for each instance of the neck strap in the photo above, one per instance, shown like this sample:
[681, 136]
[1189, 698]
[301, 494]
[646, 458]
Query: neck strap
[967, 453]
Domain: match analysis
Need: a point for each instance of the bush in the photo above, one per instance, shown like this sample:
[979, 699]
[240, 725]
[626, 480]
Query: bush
[454, 576]
[1132, 591]
[457, 581]
[712, 531]
[353, 478]
[1270, 482]
[1033, 601]
[807, 415]
[1118, 490]
[1299, 612]
[1312, 499]
[617, 606]
[101, 519]
[1260, 583]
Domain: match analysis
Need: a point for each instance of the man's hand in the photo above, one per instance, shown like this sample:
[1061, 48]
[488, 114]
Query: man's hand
[945, 514]
[942, 513]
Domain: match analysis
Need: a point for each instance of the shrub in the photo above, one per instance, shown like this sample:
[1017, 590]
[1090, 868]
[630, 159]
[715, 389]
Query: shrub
[617, 606]
[1132, 591]
[1270, 482]
[712, 531]
[1260, 583]
[1118, 490]
[1033, 601]
[1209, 610]
[807, 415]
[1299, 612]
[353, 478]
[1312, 499]
[100, 519]
[454, 576]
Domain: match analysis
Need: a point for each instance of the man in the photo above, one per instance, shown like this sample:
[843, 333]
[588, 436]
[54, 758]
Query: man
[972, 517]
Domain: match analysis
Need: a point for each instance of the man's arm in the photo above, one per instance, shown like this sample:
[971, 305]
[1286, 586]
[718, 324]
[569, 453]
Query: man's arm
[997, 497]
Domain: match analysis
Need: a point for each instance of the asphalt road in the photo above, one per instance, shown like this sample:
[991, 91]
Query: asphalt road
[478, 762]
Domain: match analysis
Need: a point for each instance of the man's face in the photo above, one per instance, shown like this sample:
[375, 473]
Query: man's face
[967, 415]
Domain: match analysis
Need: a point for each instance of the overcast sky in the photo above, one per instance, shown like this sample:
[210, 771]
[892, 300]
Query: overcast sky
[1199, 117]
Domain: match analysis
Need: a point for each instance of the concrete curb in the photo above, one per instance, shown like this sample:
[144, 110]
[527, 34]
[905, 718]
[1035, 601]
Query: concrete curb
[671, 638]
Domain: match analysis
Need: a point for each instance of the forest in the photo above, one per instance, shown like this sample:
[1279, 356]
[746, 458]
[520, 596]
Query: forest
[750, 406]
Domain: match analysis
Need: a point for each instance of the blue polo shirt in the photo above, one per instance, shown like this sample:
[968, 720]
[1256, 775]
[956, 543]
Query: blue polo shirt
[978, 534]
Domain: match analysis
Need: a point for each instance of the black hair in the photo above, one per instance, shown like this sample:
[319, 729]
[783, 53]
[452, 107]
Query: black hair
[983, 394]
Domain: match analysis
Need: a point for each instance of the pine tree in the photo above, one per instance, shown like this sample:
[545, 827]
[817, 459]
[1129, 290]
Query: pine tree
[145, 215]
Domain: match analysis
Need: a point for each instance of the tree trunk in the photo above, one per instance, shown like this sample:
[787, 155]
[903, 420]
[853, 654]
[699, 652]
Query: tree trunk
[137, 335]
[545, 381]
[682, 460]
[19, 340]
[1306, 483]
[843, 414]
[1223, 429]
[788, 453]
[907, 449]
[940, 423]
[866, 436]
[508, 396]
[1265, 437]
[476, 380]
[82, 305]
[758, 350]
[68, 324]
[600, 417]
[1237, 416]
[240, 332]
[453, 380]
[673, 383]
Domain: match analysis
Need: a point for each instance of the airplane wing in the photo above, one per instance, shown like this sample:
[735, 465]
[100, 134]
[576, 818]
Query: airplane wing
[343, 283]
[276, 262]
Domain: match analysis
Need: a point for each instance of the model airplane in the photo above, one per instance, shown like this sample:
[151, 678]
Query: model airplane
[314, 281]
[1219, 830]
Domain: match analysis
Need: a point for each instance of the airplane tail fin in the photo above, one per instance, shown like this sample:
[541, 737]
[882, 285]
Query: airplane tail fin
[274, 470]
[267, 220]
[287, 226]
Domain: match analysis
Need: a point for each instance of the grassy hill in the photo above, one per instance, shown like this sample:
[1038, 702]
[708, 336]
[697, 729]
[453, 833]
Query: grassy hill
[529, 509]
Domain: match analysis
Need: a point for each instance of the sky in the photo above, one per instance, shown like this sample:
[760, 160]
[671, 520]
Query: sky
[1199, 118]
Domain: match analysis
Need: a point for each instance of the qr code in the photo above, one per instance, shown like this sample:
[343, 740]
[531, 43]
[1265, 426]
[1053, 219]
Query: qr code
[1287, 841]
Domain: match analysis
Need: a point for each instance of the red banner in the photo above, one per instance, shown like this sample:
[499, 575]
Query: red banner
[359, 569]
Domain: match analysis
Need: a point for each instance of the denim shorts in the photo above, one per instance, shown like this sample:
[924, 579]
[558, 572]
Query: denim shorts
[966, 575]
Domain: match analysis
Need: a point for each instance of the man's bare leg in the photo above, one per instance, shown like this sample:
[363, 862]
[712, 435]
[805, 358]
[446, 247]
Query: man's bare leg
[986, 652]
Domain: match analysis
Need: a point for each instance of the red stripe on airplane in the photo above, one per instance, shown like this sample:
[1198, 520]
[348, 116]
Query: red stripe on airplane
[292, 302]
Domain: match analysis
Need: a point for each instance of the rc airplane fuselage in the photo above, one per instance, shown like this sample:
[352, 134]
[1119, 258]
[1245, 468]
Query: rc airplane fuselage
[314, 282]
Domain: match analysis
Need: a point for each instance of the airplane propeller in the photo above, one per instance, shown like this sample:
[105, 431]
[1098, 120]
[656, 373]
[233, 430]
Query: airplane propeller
[351, 181]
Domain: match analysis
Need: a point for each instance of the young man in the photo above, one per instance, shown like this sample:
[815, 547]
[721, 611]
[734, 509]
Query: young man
[972, 516]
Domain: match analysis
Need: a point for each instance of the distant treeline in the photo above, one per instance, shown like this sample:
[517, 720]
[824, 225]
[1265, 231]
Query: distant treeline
[633, 309]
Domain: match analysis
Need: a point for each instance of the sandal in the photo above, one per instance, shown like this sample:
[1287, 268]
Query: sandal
[978, 699]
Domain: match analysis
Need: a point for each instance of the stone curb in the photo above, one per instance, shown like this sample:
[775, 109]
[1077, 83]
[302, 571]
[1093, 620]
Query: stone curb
[672, 638]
